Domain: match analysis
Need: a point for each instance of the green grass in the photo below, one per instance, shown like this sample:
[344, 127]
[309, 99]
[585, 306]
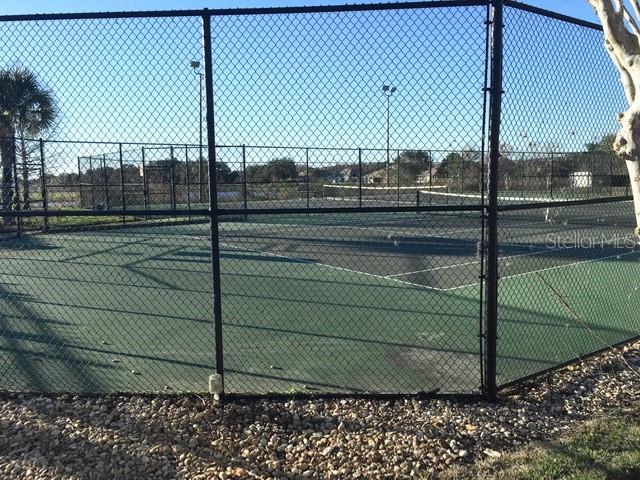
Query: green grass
[607, 448]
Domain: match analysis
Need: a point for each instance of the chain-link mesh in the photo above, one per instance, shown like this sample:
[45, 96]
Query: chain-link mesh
[347, 224]
[566, 269]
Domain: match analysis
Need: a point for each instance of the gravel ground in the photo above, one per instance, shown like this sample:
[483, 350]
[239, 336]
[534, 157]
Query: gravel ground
[129, 437]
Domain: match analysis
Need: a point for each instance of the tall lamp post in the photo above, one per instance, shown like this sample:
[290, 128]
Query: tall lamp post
[388, 90]
[195, 65]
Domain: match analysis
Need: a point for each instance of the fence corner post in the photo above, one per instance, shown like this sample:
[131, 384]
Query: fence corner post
[213, 202]
[495, 105]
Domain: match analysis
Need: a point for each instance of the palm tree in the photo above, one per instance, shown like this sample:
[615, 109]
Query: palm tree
[27, 109]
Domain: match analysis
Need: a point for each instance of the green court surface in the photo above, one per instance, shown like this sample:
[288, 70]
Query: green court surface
[315, 304]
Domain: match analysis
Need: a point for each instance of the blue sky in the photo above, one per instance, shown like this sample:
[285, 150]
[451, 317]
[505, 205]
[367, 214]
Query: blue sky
[314, 80]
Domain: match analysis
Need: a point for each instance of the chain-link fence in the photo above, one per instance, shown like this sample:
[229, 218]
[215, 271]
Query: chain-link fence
[308, 200]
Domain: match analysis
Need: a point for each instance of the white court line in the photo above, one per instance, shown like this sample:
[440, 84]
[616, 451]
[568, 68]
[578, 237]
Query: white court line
[528, 254]
[310, 262]
[445, 267]
[557, 267]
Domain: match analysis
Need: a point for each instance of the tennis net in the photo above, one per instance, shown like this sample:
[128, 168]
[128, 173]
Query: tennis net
[377, 195]
[596, 211]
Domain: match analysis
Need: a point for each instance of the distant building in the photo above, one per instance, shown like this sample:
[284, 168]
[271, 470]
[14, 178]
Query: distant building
[346, 175]
[581, 179]
[425, 177]
[379, 177]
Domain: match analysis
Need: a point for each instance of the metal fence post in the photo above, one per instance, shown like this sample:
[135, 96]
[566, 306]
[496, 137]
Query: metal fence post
[124, 203]
[43, 187]
[16, 186]
[306, 153]
[79, 180]
[398, 176]
[105, 181]
[217, 385]
[92, 179]
[610, 175]
[360, 177]
[188, 183]
[145, 185]
[495, 105]
[430, 175]
[172, 179]
[551, 174]
[244, 180]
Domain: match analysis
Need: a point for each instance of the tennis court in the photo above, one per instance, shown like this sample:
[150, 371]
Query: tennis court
[353, 302]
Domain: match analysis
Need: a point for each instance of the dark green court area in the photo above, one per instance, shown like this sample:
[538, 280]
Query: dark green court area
[315, 303]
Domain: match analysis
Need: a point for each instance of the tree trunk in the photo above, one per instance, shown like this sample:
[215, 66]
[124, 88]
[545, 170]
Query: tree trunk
[7, 154]
[633, 167]
[622, 42]
[627, 147]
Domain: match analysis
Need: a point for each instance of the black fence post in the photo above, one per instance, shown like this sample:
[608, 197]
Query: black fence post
[398, 175]
[217, 386]
[79, 180]
[495, 105]
[43, 187]
[105, 181]
[122, 189]
[16, 186]
[430, 175]
[360, 177]
[186, 162]
[244, 180]
[306, 154]
[551, 176]
[610, 175]
[93, 183]
[145, 184]
[172, 179]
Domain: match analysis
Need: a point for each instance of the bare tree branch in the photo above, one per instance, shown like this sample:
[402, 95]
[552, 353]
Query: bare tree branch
[615, 30]
[636, 8]
[631, 22]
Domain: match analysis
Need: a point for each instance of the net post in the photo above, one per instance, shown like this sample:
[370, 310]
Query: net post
[359, 177]
[43, 186]
[145, 185]
[495, 104]
[430, 173]
[213, 202]
[124, 203]
[244, 180]
[93, 184]
[172, 179]
[188, 182]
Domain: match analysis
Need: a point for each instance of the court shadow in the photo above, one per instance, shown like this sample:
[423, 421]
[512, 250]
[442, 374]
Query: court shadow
[28, 342]
[32, 241]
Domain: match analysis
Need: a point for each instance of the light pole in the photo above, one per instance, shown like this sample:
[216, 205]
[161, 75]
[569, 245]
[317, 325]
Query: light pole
[195, 65]
[388, 90]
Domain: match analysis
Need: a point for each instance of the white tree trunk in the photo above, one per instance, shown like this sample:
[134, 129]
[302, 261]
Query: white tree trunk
[622, 42]
[633, 167]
